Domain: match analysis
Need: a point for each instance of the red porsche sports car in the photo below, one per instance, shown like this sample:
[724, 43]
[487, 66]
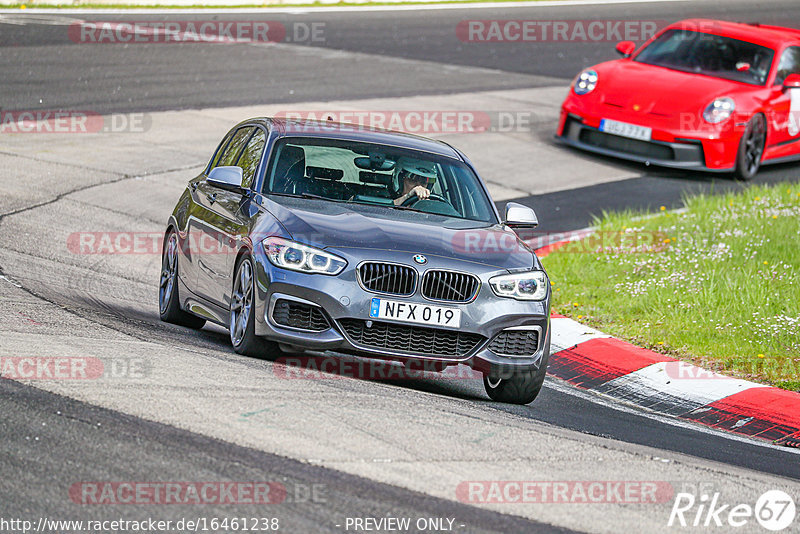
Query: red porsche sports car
[701, 94]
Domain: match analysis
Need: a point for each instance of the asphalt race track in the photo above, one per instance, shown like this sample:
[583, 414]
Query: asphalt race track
[183, 406]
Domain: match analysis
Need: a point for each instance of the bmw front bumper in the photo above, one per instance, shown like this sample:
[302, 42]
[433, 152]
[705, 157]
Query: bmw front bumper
[344, 302]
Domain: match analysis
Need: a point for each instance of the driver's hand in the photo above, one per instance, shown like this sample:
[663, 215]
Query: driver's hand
[421, 192]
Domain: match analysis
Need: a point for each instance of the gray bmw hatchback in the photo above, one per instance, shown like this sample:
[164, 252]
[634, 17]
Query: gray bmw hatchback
[315, 236]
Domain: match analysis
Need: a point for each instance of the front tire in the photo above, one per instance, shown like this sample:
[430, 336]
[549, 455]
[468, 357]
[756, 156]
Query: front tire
[169, 307]
[521, 387]
[242, 324]
[751, 148]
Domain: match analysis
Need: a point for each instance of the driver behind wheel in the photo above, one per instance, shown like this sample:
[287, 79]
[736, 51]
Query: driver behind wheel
[415, 178]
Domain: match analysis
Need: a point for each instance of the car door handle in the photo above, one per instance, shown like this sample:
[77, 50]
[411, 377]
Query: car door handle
[212, 198]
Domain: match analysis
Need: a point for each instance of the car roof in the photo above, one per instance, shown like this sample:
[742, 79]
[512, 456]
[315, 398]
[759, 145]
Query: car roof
[765, 35]
[351, 132]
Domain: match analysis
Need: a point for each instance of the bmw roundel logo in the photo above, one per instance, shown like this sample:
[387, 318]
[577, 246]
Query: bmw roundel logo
[419, 258]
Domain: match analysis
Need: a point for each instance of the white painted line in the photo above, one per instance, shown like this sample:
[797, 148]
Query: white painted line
[22, 18]
[10, 281]
[567, 333]
[675, 385]
[328, 9]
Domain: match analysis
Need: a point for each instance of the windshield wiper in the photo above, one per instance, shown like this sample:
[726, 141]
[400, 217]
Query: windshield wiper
[302, 195]
[390, 205]
[291, 195]
[408, 208]
[318, 197]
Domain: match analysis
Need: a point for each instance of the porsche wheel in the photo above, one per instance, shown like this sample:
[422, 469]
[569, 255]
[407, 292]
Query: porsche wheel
[169, 307]
[751, 148]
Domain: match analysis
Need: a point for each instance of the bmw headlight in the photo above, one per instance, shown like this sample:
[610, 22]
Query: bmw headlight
[585, 82]
[290, 255]
[719, 110]
[530, 285]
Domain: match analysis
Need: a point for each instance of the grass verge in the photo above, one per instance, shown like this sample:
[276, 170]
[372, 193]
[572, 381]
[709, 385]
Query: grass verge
[717, 284]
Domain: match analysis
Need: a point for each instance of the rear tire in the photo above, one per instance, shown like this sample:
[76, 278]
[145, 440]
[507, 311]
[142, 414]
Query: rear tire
[522, 387]
[169, 302]
[751, 148]
[242, 324]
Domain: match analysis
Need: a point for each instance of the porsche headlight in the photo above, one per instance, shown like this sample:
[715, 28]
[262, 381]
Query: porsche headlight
[719, 110]
[290, 255]
[585, 82]
[530, 285]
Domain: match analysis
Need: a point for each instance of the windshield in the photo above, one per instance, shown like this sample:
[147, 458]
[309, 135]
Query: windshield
[711, 55]
[376, 175]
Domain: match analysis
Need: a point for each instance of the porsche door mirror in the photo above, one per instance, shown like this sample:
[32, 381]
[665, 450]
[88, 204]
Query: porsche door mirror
[626, 48]
[792, 81]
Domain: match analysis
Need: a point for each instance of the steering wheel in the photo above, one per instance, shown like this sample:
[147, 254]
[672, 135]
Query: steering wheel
[410, 201]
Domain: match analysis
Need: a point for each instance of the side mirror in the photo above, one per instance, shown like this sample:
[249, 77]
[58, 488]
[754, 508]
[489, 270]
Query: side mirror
[519, 216]
[626, 48]
[792, 81]
[226, 177]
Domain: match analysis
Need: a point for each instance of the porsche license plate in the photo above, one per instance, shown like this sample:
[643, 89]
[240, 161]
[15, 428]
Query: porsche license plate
[626, 130]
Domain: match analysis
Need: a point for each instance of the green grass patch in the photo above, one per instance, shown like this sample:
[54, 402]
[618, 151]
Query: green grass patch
[717, 284]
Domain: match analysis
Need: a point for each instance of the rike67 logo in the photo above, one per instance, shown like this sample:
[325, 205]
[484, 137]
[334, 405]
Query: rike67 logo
[774, 510]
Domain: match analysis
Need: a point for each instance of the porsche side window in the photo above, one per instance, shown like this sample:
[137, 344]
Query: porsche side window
[235, 146]
[251, 156]
[790, 64]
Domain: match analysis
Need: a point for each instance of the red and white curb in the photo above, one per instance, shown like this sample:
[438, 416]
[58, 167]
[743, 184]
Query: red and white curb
[592, 360]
